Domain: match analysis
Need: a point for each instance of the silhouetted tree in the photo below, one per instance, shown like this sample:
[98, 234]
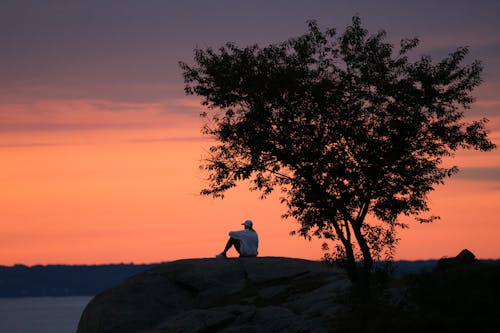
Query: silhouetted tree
[349, 129]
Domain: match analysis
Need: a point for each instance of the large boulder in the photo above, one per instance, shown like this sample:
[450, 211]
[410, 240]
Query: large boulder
[267, 294]
[464, 258]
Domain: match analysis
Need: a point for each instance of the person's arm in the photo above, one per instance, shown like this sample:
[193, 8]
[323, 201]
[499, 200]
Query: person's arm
[236, 234]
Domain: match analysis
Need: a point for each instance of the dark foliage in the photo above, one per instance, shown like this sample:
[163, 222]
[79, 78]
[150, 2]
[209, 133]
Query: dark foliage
[349, 129]
[462, 299]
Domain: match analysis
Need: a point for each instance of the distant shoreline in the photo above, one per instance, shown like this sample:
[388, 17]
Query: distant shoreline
[63, 280]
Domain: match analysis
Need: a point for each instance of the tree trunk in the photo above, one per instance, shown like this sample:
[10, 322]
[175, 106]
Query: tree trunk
[365, 271]
[350, 265]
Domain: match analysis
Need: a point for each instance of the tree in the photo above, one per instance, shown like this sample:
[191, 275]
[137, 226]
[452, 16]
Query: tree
[349, 129]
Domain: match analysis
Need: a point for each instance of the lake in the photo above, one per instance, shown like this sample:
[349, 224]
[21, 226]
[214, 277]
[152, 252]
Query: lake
[41, 314]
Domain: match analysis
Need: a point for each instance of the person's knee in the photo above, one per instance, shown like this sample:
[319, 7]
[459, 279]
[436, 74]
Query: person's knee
[237, 244]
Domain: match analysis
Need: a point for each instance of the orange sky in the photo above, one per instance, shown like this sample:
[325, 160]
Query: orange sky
[130, 194]
[99, 147]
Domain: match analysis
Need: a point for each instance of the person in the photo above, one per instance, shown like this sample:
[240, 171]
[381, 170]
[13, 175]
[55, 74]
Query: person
[246, 241]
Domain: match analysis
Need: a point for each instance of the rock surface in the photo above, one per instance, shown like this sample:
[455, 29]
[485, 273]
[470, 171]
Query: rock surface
[465, 257]
[267, 294]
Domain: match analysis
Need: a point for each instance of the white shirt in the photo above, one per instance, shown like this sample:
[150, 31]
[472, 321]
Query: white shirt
[249, 241]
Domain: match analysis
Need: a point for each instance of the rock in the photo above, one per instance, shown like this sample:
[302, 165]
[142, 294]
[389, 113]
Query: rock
[267, 294]
[465, 257]
[239, 319]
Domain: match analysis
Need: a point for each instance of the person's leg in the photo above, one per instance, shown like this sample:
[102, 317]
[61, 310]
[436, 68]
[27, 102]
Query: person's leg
[232, 242]
[237, 245]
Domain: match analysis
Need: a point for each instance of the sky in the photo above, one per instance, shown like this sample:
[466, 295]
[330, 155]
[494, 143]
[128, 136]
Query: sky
[100, 148]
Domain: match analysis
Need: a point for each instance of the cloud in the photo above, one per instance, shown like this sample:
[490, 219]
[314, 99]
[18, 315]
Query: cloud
[476, 40]
[123, 92]
[87, 115]
[483, 174]
[64, 126]
[46, 123]
[186, 106]
[172, 139]
[488, 104]
[489, 108]
[29, 144]
[186, 138]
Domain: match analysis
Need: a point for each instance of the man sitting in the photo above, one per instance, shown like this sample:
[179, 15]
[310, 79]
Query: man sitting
[246, 241]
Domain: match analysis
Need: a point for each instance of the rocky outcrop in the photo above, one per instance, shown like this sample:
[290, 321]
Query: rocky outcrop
[266, 294]
[465, 257]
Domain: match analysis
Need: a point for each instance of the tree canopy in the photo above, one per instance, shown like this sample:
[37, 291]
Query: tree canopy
[347, 127]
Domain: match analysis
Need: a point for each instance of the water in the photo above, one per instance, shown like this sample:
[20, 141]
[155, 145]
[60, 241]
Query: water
[41, 314]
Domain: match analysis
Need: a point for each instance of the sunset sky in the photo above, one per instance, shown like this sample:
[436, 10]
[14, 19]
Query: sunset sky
[100, 148]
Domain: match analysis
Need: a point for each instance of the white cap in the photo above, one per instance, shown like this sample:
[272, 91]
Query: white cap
[248, 223]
